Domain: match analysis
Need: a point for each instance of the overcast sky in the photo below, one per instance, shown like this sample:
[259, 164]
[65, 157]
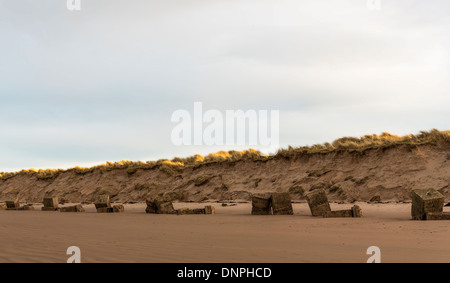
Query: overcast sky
[101, 84]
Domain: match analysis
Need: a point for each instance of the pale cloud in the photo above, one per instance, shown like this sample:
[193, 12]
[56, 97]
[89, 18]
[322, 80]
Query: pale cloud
[101, 84]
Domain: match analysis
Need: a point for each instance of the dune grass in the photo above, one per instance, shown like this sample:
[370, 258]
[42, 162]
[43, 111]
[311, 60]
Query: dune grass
[176, 165]
[367, 142]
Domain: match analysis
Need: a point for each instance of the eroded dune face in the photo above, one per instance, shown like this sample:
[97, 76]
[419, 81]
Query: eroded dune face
[374, 174]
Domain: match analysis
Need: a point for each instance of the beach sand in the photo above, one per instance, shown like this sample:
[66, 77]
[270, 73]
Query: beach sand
[232, 235]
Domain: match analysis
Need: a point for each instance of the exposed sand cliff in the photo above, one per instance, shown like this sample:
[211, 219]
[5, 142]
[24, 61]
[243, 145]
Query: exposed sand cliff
[388, 173]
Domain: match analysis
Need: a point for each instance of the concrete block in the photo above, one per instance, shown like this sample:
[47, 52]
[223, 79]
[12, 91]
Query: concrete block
[437, 216]
[198, 211]
[26, 207]
[102, 201]
[152, 209]
[184, 211]
[51, 202]
[12, 203]
[165, 208]
[318, 202]
[75, 208]
[281, 204]
[425, 201]
[49, 208]
[151, 206]
[105, 210]
[261, 204]
[210, 209]
[118, 208]
[356, 210]
[338, 214]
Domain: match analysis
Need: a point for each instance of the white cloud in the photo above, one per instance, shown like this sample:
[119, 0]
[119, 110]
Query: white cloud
[101, 84]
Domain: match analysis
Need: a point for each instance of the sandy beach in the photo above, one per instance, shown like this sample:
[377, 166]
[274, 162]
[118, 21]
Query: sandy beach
[231, 235]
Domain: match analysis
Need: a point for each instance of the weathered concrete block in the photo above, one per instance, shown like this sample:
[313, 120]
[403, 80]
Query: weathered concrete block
[165, 208]
[318, 202]
[105, 210]
[261, 204]
[338, 214]
[12, 203]
[425, 201]
[102, 201]
[115, 209]
[190, 211]
[210, 209]
[26, 207]
[49, 208]
[198, 211]
[281, 204]
[356, 210]
[51, 202]
[184, 211]
[151, 208]
[74, 208]
[161, 204]
[118, 208]
[437, 216]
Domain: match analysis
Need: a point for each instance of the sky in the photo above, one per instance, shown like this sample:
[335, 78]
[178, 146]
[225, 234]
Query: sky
[101, 84]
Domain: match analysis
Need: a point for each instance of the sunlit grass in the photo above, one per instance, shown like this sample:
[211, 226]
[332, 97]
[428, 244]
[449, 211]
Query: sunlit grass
[383, 141]
[176, 165]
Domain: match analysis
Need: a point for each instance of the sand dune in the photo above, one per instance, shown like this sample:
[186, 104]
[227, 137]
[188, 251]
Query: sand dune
[389, 173]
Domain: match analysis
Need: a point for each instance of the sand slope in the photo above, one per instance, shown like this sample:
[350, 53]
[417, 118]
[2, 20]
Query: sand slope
[389, 173]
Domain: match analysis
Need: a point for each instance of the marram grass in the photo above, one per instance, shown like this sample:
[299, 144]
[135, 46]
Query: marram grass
[174, 166]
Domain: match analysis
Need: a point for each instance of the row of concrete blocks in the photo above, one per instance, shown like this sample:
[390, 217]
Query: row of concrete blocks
[15, 205]
[427, 204]
[164, 206]
[272, 204]
[52, 204]
[280, 204]
[102, 204]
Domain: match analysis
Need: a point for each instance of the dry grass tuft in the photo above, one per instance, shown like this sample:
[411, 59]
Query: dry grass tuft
[367, 142]
[176, 165]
